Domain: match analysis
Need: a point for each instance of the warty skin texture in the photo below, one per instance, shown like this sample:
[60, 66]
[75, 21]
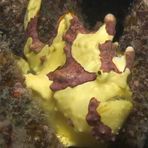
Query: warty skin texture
[75, 67]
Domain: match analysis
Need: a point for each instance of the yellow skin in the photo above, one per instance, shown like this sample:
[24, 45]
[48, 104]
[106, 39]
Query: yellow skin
[109, 88]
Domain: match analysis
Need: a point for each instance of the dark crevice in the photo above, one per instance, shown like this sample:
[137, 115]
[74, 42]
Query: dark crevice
[95, 10]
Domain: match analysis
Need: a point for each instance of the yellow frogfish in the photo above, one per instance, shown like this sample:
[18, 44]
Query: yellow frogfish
[80, 78]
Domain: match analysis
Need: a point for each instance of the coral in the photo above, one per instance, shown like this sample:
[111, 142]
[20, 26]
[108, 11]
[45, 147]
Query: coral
[11, 23]
[135, 131]
[75, 66]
